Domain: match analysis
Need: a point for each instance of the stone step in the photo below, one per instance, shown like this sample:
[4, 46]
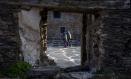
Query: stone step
[53, 72]
[59, 42]
[43, 72]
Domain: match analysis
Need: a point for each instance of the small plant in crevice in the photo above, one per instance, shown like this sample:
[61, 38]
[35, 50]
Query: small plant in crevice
[19, 69]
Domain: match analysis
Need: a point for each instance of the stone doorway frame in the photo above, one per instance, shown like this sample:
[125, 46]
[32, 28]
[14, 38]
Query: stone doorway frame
[86, 19]
[73, 9]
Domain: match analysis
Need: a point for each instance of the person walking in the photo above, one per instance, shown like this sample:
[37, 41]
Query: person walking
[64, 37]
[68, 38]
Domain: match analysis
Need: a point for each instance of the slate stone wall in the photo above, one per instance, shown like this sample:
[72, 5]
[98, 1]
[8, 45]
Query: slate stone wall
[117, 39]
[9, 41]
[116, 30]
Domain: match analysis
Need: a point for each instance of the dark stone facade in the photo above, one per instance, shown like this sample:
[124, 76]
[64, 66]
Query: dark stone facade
[9, 41]
[117, 26]
[115, 37]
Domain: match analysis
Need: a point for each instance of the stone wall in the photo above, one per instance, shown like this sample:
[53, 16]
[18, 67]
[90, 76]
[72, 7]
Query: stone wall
[9, 37]
[115, 38]
[108, 40]
[116, 27]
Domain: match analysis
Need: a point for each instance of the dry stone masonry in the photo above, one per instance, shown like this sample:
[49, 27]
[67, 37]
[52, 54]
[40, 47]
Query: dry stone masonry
[107, 35]
[117, 40]
[9, 36]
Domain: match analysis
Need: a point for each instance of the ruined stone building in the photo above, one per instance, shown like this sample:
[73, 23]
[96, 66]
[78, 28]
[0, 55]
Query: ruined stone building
[104, 26]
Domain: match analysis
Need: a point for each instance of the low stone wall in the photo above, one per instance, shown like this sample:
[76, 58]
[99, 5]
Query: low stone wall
[116, 32]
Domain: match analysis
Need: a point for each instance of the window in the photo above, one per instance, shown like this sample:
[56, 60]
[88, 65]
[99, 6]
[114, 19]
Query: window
[56, 14]
[62, 29]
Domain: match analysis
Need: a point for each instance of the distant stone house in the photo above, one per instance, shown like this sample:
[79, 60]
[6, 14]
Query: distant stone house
[105, 31]
[58, 21]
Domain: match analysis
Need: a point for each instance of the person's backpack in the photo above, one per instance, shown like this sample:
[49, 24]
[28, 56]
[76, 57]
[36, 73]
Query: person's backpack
[69, 35]
[65, 36]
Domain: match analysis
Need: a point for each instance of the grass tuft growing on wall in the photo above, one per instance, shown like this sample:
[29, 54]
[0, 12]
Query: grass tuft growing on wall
[17, 70]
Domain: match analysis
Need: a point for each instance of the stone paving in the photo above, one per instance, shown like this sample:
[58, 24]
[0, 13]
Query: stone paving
[64, 57]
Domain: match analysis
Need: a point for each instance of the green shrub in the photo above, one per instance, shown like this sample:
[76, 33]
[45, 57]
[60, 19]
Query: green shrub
[18, 69]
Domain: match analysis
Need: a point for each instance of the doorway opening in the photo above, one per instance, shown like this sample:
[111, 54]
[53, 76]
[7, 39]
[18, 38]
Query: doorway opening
[84, 46]
[63, 38]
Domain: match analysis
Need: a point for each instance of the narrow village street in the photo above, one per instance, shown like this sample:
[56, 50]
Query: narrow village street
[64, 57]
